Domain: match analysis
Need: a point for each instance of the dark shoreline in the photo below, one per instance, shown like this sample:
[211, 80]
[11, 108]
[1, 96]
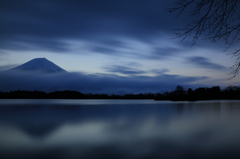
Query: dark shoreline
[179, 94]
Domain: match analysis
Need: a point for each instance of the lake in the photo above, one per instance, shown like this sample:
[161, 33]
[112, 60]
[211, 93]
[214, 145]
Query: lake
[119, 129]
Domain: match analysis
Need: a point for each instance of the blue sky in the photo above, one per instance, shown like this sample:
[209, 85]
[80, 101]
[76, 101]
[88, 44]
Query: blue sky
[128, 43]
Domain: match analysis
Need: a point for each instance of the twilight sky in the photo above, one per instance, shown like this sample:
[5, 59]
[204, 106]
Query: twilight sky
[108, 46]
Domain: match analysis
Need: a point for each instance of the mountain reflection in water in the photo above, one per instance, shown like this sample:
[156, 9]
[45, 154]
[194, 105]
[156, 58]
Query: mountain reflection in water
[143, 129]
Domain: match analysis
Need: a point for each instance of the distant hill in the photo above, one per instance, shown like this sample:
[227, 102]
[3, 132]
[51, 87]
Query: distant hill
[42, 65]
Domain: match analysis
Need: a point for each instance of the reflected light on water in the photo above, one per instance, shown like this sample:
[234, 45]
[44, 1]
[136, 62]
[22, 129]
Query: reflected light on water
[152, 130]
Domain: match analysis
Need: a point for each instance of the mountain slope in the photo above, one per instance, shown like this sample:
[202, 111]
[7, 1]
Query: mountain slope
[39, 65]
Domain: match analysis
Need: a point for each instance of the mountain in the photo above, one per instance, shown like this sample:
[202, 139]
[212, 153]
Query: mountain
[39, 65]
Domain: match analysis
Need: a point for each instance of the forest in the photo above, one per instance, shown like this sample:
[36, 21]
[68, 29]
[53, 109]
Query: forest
[179, 94]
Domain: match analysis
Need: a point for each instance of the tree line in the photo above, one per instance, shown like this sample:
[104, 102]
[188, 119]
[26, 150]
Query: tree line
[20, 94]
[201, 93]
[179, 94]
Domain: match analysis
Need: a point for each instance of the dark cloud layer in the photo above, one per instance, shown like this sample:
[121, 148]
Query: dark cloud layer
[100, 83]
[46, 25]
[42, 23]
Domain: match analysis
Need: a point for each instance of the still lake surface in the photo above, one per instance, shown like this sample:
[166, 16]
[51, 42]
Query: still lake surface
[119, 129]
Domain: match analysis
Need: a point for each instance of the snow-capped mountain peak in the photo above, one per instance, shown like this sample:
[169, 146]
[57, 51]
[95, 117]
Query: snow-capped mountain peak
[39, 65]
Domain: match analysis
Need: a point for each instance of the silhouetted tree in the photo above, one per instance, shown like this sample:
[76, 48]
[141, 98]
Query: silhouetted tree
[179, 89]
[190, 90]
[178, 93]
[214, 92]
[216, 19]
[191, 95]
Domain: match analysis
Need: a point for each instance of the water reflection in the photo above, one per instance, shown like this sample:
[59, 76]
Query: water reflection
[119, 129]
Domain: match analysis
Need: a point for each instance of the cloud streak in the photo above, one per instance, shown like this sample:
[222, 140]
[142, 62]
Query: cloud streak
[41, 24]
[203, 62]
[123, 70]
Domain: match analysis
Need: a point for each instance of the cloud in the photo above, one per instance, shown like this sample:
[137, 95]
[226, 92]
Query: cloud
[6, 67]
[33, 43]
[129, 71]
[162, 53]
[203, 62]
[94, 83]
[43, 25]
[103, 49]
[134, 64]
[123, 70]
[103, 26]
[160, 71]
[49, 25]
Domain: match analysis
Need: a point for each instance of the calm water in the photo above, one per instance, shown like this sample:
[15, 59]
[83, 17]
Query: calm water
[112, 129]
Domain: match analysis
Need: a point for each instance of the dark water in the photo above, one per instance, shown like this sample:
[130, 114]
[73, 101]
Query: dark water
[119, 129]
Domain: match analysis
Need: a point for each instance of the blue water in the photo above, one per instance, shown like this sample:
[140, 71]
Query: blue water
[124, 129]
